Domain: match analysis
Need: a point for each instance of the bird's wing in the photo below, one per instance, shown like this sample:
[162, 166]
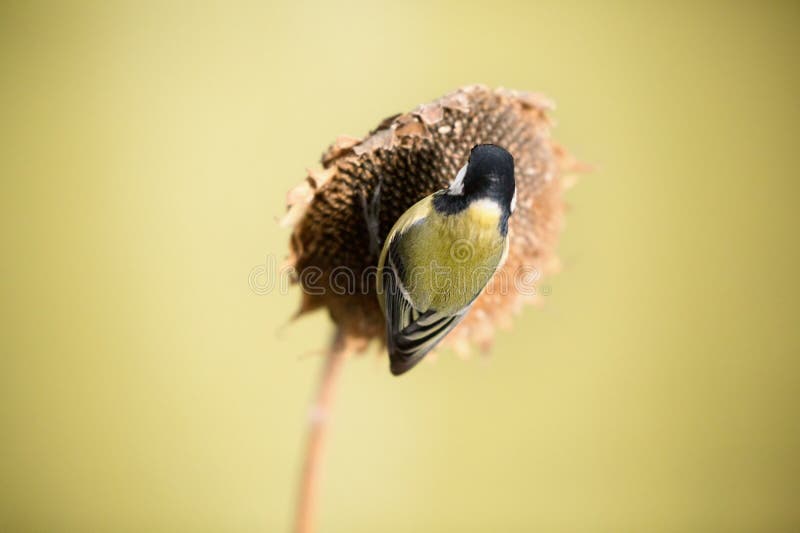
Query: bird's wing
[411, 334]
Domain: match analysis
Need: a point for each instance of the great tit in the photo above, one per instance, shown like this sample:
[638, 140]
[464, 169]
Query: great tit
[442, 252]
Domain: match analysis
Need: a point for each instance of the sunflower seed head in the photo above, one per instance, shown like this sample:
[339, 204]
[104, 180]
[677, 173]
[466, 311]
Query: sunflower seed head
[341, 213]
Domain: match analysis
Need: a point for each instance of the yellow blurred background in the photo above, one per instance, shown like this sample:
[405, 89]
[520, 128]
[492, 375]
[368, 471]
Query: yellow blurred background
[146, 151]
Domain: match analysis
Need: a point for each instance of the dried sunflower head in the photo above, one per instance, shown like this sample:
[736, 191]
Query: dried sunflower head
[409, 156]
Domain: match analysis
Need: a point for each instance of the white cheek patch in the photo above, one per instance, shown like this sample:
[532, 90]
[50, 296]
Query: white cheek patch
[514, 200]
[457, 186]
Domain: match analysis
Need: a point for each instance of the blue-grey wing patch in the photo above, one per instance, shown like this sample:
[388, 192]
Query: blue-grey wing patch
[410, 334]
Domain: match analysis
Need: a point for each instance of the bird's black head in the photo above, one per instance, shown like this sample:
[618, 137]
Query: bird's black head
[490, 174]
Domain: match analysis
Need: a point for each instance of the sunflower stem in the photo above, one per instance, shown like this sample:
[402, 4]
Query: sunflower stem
[307, 497]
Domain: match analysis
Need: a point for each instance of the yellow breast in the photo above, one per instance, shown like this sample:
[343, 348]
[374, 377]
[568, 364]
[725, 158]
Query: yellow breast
[484, 214]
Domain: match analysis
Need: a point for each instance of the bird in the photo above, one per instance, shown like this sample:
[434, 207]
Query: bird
[441, 254]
